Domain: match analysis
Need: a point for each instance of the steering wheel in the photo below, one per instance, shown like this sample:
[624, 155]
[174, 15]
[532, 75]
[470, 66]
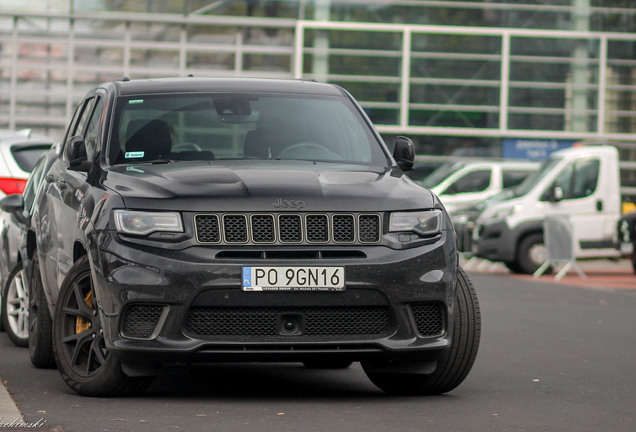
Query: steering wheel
[186, 146]
[308, 150]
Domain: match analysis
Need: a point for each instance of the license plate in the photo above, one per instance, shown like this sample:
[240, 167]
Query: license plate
[293, 278]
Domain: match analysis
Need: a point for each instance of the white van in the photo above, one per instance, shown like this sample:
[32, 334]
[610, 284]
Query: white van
[580, 182]
[466, 183]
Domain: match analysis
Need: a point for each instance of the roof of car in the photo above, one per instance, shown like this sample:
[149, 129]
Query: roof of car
[195, 84]
[11, 138]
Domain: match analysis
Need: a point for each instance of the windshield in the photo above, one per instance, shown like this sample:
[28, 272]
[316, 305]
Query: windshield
[440, 174]
[536, 176]
[173, 127]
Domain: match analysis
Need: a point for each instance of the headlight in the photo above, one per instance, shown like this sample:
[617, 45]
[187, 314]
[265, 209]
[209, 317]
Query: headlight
[142, 223]
[426, 223]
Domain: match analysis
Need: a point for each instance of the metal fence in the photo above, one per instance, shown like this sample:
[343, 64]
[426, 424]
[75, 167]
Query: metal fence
[412, 79]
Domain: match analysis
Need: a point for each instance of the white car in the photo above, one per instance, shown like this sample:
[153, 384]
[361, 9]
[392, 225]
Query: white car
[19, 151]
[461, 185]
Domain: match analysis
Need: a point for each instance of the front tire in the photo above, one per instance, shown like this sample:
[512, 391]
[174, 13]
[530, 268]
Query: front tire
[78, 341]
[15, 306]
[40, 323]
[531, 253]
[453, 364]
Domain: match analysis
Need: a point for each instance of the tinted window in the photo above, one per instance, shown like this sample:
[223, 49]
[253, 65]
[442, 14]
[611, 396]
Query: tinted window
[90, 137]
[578, 179]
[27, 156]
[513, 177]
[475, 181]
[585, 178]
[32, 182]
[248, 126]
[81, 122]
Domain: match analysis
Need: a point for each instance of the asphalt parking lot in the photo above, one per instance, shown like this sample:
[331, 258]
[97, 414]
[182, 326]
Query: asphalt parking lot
[600, 274]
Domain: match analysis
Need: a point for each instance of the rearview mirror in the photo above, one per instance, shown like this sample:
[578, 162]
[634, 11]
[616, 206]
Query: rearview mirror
[404, 153]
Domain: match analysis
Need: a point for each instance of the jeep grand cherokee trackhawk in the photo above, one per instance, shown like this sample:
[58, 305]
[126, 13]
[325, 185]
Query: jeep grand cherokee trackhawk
[205, 220]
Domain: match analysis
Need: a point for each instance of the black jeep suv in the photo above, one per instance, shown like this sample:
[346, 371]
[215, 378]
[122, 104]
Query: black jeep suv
[202, 220]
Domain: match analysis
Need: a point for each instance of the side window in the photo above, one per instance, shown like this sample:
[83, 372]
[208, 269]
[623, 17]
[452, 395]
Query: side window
[32, 182]
[564, 180]
[513, 177]
[585, 178]
[81, 122]
[71, 126]
[475, 181]
[578, 179]
[90, 137]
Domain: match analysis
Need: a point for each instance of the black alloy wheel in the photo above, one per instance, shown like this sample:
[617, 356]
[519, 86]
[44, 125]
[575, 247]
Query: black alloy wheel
[78, 341]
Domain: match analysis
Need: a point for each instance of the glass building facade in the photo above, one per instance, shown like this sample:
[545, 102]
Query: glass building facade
[458, 77]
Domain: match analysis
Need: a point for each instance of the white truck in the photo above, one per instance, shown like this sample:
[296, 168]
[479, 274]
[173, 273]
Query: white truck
[582, 183]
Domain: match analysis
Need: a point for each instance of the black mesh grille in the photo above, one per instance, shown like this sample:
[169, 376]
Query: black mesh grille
[256, 321]
[290, 228]
[343, 229]
[140, 321]
[428, 318]
[207, 228]
[263, 229]
[369, 228]
[280, 228]
[317, 228]
[235, 228]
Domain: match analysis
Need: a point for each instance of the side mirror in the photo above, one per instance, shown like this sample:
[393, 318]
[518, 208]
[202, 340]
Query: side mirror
[553, 194]
[75, 153]
[404, 153]
[14, 204]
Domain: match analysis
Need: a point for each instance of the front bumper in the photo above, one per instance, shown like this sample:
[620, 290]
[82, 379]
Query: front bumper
[495, 242]
[188, 305]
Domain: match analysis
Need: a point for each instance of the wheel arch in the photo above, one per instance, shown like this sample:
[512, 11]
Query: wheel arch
[523, 231]
[78, 250]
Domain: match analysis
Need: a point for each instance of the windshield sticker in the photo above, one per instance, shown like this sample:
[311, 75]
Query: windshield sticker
[135, 101]
[134, 155]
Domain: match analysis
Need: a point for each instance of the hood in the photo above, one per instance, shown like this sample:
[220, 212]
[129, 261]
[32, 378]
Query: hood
[265, 185]
[499, 210]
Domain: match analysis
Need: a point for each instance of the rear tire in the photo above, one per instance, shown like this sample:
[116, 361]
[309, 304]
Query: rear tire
[40, 323]
[15, 306]
[453, 364]
[78, 341]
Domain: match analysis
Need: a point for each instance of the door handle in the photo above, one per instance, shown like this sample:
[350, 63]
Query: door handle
[599, 205]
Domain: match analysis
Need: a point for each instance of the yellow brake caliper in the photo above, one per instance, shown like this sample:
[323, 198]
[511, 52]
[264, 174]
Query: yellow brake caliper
[82, 324]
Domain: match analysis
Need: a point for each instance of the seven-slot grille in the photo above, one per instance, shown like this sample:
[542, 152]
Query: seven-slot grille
[283, 228]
